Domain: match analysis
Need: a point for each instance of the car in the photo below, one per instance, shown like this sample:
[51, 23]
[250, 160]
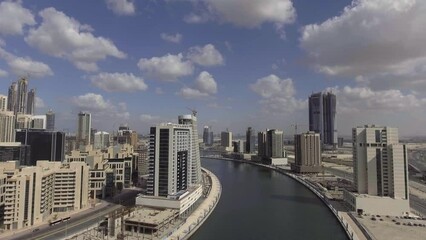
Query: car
[35, 230]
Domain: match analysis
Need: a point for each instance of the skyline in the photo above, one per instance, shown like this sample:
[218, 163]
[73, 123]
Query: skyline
[221, 60]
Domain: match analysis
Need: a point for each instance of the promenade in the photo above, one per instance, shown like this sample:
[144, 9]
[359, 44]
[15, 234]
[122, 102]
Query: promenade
[197, 218]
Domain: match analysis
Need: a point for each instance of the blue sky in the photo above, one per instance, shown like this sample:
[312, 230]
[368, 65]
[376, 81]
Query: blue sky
[240, 63]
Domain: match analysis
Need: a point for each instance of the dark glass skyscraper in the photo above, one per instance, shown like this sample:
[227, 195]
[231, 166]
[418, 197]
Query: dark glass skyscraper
[45, 145]
[31, 102]
[322, 116]
[250, 140]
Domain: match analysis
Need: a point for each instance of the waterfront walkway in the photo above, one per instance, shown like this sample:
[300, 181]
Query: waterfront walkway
[198, 217]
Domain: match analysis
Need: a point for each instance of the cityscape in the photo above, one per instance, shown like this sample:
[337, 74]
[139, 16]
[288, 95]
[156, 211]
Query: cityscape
[200, 119]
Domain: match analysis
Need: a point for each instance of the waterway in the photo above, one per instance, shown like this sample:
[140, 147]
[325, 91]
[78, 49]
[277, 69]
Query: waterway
[259, 203]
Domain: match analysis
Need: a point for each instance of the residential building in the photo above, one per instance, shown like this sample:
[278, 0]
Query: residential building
[3, 103]
[83, 129]
[34, 194]
[12, 97]
[45, 145]
[7, 126]
[275, 143]
[380, 172]
[307, 153]
[250, 140]
[101, 140]
[23, 121]
[239, 146]
[322, 117]
[226, 140]
[38, 122]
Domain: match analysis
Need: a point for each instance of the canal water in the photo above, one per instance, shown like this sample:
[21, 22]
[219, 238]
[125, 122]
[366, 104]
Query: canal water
[258, 203]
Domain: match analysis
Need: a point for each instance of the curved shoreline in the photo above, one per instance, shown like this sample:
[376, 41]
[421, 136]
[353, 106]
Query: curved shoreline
[346, 227]
[201, 214]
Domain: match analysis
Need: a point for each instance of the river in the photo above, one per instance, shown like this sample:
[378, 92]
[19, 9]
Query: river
[258, 203]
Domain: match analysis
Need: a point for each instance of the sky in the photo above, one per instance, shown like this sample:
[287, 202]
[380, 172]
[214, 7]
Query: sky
[239, 63]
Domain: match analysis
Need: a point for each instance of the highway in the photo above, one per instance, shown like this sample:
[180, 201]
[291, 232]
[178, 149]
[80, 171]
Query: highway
[80, 222]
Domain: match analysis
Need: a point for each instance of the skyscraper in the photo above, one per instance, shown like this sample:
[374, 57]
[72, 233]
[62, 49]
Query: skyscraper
[206, 131]
[322, 117]
[3, 103]
[31, 102]
[226, 140]
[380, 162]
[101, 140]
[83, 129]
[7, 126]
[274, 144]
[380, 172]
[50, 120]
[22, 96]
[307, 153]
[250, 140]
[195, 163]
[12, 97]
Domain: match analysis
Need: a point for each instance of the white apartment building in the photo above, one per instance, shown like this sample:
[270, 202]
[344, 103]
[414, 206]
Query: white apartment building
[23, 121]
[307, 153]
[380, 171]
[101, 140]
[33, 194]
[38, 122]
[3, 103]
[7, 126]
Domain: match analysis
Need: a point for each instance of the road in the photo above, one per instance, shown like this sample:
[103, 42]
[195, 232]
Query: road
[80, 222]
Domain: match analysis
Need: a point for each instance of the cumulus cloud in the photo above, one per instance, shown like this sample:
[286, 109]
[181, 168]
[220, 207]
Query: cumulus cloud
[166, 68]
[121, 7]
[100, 107]
[278, 95]
[64, 37]
[23, 66]
[205, 56]
[14, 17]
[205, 86]
[176, 38]
[118, 82]
[3, 73]
[372, 38]
[243, 13]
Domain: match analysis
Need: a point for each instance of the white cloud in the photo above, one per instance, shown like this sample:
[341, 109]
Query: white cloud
[243, 13]
[278, 95]
[64, 37]
[39, 103]
[206, 83]
[177, 38]
[3, 73]
[159, 91]
[166, 68]
[97, 105]
[372, 38]
[118, 82]
[205, 56]
[13, 18]
[148, 118]
[191, 93]
[122, 7]
[205, 86]
[23, 66]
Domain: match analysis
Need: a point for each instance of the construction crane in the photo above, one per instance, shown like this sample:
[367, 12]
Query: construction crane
[193, 110]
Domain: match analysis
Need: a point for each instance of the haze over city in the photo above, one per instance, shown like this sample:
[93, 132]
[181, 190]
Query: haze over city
[142, 62]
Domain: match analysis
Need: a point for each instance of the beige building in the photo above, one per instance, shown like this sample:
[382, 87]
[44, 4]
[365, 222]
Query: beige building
[380, 171]
[7, 126]
[3, 103]
[33, 194]
[307, 153]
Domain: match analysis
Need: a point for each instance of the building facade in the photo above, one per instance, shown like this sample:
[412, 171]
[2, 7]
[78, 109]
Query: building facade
[322, 117]
[83, 129]
[101, 140]
[50, 120]
[7, 126]
[226, 140]
[3, 103]
[30, 108]
[250, 140]
[307, 153]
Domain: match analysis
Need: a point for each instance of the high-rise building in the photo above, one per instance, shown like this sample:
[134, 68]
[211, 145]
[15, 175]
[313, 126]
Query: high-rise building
[45, 145]
[12, 97]
[3, 103]
[169, 156]
[380, 162]
[101, 140]
[322, 117]
[7, 126]
[239, 146]
[50, 120]
[30, 109]
[83, 129]
[307, 153]
[261, 144]
[195, 163]
[21, 104]
[380, 172]
[23, 121]
[274, 144]
[250, 140]
[206, 134]
[226, 140]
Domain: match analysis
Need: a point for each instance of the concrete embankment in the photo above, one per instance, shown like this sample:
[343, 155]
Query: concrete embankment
[200, 215]
[351, 228]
